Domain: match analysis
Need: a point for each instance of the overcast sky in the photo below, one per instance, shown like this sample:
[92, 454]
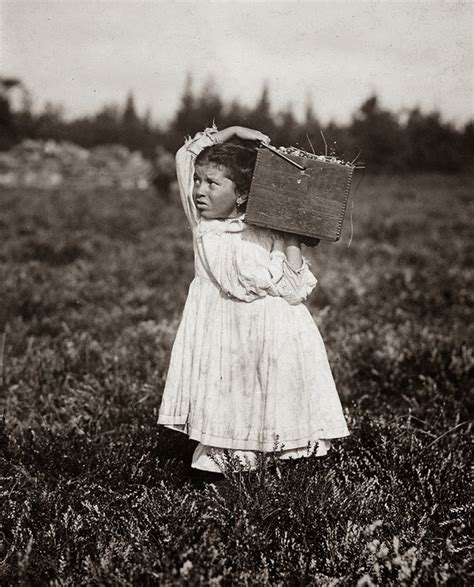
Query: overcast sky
[85, 54]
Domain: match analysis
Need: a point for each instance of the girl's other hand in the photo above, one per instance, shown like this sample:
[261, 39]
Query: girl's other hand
[297, 240]
[310, 242]
[292, 240]
[305, 240]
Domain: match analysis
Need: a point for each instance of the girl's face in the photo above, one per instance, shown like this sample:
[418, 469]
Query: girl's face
[214, 194]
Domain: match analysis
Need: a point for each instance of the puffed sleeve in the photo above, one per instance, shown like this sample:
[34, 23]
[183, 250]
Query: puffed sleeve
[245, 268]
[185, 159]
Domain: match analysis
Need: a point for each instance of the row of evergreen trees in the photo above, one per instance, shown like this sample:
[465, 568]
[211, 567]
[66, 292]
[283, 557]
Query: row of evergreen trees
[406, 141]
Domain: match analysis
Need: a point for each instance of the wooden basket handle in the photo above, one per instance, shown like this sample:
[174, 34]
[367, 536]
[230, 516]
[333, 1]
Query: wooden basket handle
[277, 152]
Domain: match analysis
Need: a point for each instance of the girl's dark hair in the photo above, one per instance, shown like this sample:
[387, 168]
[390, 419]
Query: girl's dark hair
[237, 157]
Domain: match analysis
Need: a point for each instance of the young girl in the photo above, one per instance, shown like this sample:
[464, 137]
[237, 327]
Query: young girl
[248, 369]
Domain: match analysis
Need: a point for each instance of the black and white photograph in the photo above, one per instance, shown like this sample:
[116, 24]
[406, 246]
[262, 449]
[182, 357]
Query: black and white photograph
[236, 298]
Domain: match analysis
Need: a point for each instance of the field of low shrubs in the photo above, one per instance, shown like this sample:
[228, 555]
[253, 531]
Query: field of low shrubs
[93, 492]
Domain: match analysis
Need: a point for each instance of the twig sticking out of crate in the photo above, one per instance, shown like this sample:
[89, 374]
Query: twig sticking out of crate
[284, 151]
[310, 144]
[325, 144]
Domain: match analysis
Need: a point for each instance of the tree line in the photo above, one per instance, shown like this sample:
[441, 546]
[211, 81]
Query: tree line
[405, 141]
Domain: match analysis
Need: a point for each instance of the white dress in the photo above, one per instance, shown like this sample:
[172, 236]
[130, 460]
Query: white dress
[248, 369]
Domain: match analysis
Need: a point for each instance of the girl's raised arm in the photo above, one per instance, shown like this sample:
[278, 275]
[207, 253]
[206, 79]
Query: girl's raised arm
[185, 159]
[241, 132]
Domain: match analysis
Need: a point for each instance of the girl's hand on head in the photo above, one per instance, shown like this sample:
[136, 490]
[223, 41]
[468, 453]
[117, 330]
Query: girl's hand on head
[250, 134]
[247, 134]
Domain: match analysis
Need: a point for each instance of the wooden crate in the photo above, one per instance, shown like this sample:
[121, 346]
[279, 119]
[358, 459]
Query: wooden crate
[308, 203]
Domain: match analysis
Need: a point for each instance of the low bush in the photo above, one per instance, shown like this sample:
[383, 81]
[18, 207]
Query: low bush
[93, 492]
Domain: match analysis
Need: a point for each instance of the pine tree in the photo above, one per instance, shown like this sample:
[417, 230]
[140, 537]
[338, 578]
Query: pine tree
[184, 121]
[379, 135]
[109, 125]
[311, 126]
[130, 117]
[260, 117]
[210, 106]
[287, 130]
[234, 114]
[431, 144]
[131, 126]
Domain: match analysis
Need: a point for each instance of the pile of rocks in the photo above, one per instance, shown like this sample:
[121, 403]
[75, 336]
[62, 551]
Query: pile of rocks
[49, 164]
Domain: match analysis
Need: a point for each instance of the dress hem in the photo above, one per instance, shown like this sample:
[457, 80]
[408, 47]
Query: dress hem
[252, 444]
[203, 460]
